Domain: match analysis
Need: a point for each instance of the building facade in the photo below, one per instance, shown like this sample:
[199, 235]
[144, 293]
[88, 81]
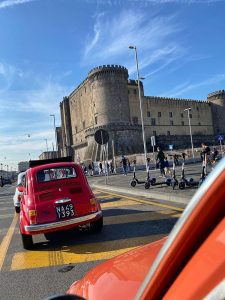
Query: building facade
[108, 100]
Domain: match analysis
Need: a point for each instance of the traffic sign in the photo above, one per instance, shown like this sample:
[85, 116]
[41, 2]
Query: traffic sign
[220, 137]
[153, 141]
[101, 136]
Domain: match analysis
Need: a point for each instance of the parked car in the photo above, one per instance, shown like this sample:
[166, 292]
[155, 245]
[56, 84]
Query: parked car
[18, 192]
[56, 196]
[189, 264]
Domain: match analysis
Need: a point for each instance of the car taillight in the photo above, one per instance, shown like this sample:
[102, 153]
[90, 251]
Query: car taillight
[33, 217]
[93, 203]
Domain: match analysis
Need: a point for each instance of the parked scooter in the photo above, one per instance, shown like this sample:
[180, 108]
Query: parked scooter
[149, 180]
[174, 181]
[189, 181]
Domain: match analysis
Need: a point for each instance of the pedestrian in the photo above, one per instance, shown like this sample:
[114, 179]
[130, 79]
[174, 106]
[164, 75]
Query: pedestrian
[111, 167]
[215, 154]
[167, 167]
[90, 169]
[1, 181]
[160, 158]
[205, 153]
[100, 168]
[124, 165]
[183, 156]
[176, 160]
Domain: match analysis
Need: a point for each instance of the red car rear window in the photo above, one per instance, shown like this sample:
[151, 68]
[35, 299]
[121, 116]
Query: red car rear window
[51, 174]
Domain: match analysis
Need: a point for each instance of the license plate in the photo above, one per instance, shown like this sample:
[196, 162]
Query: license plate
[65, 211]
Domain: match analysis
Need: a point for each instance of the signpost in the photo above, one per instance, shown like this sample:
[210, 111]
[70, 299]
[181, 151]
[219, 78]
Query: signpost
[153, 147]
[102, 138]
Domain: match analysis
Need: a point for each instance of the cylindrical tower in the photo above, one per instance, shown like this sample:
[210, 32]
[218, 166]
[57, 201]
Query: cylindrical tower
[217, 102]
[110, 94]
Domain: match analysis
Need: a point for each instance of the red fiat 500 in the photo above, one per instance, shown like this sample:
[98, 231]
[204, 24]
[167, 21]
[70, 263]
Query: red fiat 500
[56, 196]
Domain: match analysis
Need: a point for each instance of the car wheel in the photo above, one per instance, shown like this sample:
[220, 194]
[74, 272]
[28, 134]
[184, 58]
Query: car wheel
[97, 226]
[17, 209]
[133, 183]
[27, 241]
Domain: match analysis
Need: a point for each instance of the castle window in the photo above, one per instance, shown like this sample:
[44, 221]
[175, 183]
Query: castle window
[135, 120]
[83, 124]
[171, 123]
[190, 115]
[182, 115]
[76, 129]
[153, 122]
[182, 123]
[96, 120]
[168, 132]
[148, 114]
[199, 123]
[170, 114]
[197, 108]
[154, 132]
[135, 92]
[159, 114]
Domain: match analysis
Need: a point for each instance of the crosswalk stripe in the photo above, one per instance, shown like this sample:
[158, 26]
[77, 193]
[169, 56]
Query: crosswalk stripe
[77, 254]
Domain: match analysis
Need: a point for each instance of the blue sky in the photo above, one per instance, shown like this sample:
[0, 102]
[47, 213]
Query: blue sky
[47, 47]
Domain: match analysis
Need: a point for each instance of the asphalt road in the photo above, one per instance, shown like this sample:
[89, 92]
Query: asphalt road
[130, 220]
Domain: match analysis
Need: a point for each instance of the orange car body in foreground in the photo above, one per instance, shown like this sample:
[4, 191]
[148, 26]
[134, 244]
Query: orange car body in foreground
[189, 264]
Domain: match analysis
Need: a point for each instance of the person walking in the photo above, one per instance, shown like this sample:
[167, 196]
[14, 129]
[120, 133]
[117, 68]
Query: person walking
[167, 167]
[124, 165]
[160, 158]
[100, 168]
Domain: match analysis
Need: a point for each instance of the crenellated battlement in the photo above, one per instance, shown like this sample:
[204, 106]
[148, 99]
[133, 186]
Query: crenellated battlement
[168, 99]
[216, 93]
[108, 68]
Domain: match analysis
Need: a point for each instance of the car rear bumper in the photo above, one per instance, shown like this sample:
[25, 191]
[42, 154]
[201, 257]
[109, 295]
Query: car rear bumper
[62, 224]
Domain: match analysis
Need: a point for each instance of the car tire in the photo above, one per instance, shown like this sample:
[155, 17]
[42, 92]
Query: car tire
[17, 209]
[97, 226]
[27, 241]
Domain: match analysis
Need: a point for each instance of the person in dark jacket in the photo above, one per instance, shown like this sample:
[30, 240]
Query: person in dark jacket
[160, 158]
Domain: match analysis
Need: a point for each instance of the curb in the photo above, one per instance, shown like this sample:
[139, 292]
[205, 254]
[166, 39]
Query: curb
[149, 195]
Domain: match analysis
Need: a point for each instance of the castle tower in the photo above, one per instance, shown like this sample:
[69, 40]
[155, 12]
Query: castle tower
[217, 102]
[111, 108]
[109, 94]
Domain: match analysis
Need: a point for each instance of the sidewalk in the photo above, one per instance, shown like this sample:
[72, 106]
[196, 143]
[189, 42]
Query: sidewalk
[119, 183]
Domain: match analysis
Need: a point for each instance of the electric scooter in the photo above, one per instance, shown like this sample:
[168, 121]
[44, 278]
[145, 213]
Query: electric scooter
[174, 181]
[147, 182]
[190, 182]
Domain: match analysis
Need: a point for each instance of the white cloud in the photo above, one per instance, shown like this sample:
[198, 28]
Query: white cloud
[149, 33]
[8, 3]
[187, 86]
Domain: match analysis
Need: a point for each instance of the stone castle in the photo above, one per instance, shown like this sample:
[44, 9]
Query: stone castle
[108, 100]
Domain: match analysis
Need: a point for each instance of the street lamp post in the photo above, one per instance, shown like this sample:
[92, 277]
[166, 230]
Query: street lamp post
[56, 148]
[189, 121]
[140, 102]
